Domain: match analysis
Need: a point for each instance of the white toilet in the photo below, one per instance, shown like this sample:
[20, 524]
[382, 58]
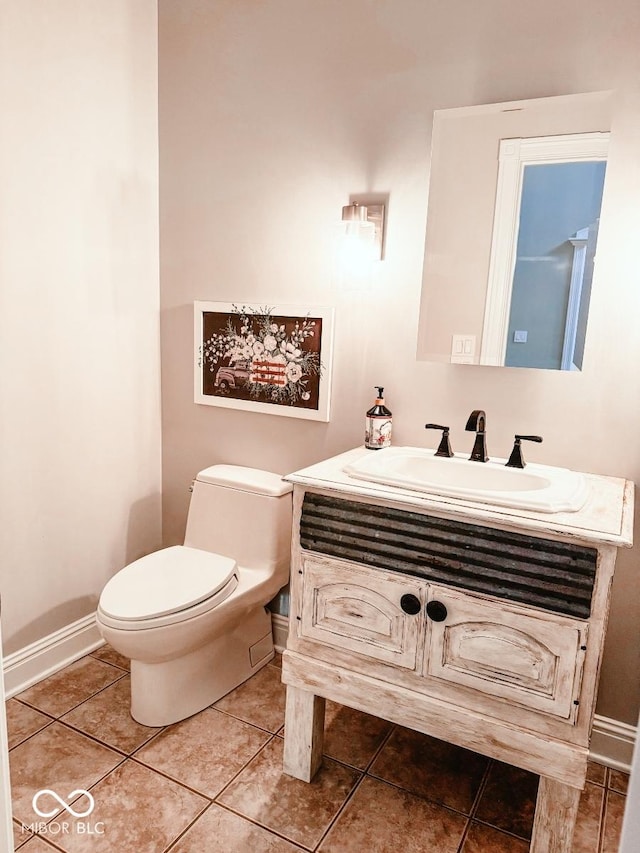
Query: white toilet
[192, 617]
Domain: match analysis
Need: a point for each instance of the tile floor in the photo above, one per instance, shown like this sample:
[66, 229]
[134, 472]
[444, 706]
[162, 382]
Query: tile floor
[214, 784]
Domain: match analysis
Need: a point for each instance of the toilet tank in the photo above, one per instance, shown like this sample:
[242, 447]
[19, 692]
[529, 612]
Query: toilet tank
[243, 513]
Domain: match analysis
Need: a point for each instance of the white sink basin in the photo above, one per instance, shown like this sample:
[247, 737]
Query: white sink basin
[536, 487]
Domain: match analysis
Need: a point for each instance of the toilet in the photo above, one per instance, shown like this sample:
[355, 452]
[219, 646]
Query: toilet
[192, 617]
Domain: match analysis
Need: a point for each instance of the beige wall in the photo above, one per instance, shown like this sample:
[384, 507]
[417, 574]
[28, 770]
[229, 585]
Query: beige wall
[79, 337]
[271, 115]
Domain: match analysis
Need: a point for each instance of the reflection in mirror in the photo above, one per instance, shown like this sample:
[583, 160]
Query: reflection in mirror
[514, 208]
[548, 198]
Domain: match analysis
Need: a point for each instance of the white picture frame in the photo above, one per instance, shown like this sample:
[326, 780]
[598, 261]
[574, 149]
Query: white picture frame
[271, 359]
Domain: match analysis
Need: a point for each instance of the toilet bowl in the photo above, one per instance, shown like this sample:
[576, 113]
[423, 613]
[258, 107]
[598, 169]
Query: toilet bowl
[192, 617]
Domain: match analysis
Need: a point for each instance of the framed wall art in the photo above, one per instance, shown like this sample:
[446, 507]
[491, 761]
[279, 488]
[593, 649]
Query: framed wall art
[272, 359]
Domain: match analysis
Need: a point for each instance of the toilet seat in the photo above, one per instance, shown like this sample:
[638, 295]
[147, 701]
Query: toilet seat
[167, 586]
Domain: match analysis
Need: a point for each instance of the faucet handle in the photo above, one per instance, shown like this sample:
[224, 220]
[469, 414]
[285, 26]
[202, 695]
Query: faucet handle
[444, 448]
[516, 460]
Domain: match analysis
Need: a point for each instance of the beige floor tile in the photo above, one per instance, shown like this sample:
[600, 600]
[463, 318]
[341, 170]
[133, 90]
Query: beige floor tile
[20, 835]
[221, 831]
[614, 812]
[106, 717]
[298, 810]
[380, 818]
[70, 686]
[108, 655]
[431, 768]
[259, 701]
[509, 799]
[486, 839]
[23, 721]
[277, 661]
[205, 751]
[352, 736]
[587, 832]
[38, 845]
[59, 759]
[136, 811]
[618, 781]
[596, 773]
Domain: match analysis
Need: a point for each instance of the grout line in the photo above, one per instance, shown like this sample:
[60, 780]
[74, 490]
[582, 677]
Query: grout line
[481, 788]
[86, 699]
[385, 740]
[476, 802]
[161, 730]
[181, 834]
[255, 823]
[95, 656]
[139, 761]
[33, 734]
[399, 787]
[438, 803]
[53, 845]
[269, 829]
[502, 831]
[341, 810]
[31, 708]
[171, 778]
[242, 769]
[242, 719]
[463, 837]
[603, 810]
[362, 770]
[96, 739]
[601, 819]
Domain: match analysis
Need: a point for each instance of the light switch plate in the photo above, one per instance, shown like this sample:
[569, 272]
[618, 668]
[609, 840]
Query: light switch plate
[463, 349]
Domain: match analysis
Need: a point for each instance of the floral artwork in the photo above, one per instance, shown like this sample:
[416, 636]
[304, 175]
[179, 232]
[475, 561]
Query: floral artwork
[269, 359]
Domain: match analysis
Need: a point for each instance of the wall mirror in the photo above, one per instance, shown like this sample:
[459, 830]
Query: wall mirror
[514, 209]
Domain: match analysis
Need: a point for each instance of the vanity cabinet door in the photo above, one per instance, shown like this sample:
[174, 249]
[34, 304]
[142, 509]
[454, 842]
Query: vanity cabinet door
[504, 651]
[361, 610]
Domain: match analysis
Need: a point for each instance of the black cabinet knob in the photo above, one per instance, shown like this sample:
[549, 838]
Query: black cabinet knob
[436, 611]
[410, 604]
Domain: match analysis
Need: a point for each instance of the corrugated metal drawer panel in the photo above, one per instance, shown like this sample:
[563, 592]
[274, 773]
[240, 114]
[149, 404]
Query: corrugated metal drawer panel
[555, 576]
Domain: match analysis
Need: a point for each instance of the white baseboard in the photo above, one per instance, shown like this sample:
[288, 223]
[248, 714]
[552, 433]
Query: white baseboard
[612, 742]
[46, 656]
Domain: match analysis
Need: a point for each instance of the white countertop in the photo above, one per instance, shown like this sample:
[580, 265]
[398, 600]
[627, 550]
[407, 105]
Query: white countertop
[606, 517]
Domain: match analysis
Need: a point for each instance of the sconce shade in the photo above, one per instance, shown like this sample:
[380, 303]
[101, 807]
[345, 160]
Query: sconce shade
[354, 213]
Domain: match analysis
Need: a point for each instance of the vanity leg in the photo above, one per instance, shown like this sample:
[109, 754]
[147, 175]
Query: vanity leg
[556, 812]
[303, 733]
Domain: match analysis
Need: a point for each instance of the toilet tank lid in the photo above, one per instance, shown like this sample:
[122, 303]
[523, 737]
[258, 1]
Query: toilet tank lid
[253, 480]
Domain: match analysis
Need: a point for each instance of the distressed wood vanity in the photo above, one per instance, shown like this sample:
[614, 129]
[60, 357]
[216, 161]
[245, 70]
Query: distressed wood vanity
[478, 625]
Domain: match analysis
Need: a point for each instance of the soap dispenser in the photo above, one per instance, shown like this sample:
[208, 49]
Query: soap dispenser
[378, 424]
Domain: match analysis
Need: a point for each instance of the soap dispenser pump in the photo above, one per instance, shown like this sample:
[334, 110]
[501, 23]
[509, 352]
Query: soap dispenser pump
[378, 424]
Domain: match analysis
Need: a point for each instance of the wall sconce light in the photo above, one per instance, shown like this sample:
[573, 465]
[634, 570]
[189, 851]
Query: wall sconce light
[364, 224]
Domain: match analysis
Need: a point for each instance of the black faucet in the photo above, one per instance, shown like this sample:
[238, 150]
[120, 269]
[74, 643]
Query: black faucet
[476, 423]
[516, 460]
[444, 448]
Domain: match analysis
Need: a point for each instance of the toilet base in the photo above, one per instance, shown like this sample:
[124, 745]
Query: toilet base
[165, 693]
